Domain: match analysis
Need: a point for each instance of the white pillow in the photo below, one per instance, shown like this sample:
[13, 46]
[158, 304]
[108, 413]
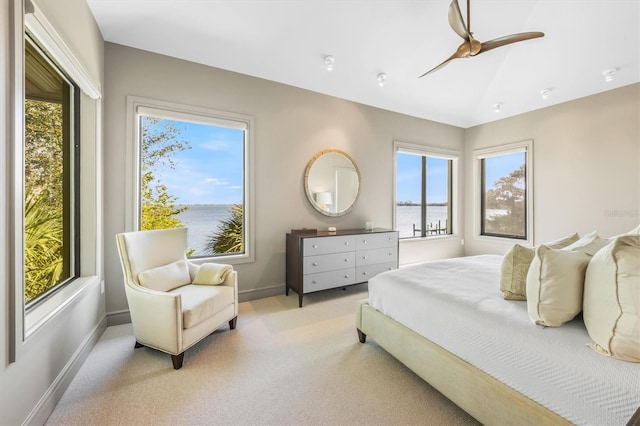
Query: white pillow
[589, 244]
[612, 299]
[555, 284]
[167, 277]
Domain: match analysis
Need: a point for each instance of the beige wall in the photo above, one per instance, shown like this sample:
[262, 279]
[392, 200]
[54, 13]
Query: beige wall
[291, 125]
[48, 359]
[586, 156]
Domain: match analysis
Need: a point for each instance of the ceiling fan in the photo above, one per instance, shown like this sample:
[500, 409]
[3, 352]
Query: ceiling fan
[471, 46]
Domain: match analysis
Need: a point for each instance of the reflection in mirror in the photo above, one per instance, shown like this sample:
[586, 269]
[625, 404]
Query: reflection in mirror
[332, 182]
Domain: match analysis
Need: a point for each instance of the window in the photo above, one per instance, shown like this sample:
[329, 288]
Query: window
[424, 191]
[505, 188]
[51, 177]
[193, 172]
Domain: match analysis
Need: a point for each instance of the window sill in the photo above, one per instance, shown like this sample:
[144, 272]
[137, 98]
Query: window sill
[432, 238]
[41, 314]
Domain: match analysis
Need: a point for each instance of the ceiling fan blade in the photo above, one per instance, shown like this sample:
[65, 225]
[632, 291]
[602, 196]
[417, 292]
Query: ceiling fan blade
[461, 52]
[513, 38]
[455, 20]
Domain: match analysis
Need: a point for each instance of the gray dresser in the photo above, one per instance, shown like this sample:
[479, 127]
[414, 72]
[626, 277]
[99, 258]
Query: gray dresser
[324, 260]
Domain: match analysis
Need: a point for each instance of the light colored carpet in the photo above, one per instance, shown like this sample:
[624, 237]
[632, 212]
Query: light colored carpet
[283, 365]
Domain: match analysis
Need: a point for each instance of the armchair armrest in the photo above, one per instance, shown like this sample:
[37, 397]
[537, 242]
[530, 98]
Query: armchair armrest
[156, 317]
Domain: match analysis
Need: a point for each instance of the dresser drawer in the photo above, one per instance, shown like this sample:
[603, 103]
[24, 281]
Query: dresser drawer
[326, 245]
[374, 241]
[363, 273]
[327, 280]
[329, 262]
[381, 255]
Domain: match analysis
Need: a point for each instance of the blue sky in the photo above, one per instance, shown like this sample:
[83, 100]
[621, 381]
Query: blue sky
[409, 175]
[211, 172]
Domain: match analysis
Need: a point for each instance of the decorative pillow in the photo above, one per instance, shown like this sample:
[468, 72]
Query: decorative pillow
[555, 284]
[634, 231]
[212, 273]
[515, 265]
[167, 277]
[589, 244]
[612, 299]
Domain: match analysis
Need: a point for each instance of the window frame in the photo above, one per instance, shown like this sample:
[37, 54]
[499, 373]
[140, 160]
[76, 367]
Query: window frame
[434, 152]
[71, 172]
[27, 328]
[172, 110]
[480, 154]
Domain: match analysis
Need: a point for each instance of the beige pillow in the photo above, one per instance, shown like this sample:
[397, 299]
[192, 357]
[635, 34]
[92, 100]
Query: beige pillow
[555, 284]
[589, 244]
[515, 265]
[212, 273]
[167, 277]
[612, 299]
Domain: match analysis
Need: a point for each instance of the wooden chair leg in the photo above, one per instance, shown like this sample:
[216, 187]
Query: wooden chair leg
[138, 345]
[177, 361]
[232, 323]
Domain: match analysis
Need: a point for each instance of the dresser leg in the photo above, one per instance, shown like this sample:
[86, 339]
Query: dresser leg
[300, 300]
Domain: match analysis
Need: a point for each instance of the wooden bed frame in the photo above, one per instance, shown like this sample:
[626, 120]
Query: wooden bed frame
[486, 399]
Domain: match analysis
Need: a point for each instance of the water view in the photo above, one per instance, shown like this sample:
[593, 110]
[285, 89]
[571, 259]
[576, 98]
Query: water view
[203, 220]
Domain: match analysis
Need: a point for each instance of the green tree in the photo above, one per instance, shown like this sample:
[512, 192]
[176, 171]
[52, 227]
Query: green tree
[44, 190]
[508, 193]
[158, 143]
[228, 238]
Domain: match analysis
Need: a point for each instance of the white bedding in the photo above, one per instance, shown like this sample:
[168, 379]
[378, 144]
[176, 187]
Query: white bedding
[457, 304]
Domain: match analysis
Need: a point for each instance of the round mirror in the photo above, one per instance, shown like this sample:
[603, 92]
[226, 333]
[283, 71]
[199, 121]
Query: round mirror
[332, 182]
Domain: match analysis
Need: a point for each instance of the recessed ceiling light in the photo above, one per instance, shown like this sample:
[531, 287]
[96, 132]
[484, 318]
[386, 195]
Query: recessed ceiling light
[608, 74]
[328, 62]
[545, 93]
[382, 78]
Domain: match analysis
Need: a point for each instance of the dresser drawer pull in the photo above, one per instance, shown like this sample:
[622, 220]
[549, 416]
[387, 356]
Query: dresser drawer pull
[315, 246]
[346, 276]
[346, 260]
[346, 243]
[364, 273]
[315, 263]
[364, 241]
[364, 257]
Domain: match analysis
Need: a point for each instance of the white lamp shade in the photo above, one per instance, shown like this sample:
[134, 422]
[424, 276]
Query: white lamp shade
[324, 198]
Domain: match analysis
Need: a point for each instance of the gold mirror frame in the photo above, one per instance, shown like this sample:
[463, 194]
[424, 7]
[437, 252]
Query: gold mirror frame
[339, 190]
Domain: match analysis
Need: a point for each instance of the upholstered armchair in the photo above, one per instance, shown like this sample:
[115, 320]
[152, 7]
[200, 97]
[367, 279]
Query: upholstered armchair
[174, 303]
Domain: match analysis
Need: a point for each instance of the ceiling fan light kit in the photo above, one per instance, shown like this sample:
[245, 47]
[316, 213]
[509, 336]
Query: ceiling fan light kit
[472, 47]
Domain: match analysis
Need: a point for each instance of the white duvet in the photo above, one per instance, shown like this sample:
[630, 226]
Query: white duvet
[457, 304]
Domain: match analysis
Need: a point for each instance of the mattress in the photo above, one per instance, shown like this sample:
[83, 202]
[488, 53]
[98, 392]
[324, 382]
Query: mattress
[457, 304]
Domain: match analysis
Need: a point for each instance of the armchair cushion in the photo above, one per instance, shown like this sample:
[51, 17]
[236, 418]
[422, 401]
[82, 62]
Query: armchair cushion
[167, 277]
[212, 273]
[202, 302]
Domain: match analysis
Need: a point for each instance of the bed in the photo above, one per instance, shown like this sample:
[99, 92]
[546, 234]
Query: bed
[486, 355]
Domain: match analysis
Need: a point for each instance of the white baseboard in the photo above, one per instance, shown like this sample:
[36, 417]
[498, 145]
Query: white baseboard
[52, 396]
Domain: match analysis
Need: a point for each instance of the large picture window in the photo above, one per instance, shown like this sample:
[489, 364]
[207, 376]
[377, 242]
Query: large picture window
[505, 188]
[51, 176]
[193, 173]
[424, 192]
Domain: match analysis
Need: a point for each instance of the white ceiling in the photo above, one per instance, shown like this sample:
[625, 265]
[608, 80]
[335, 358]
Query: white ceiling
[286, 41]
